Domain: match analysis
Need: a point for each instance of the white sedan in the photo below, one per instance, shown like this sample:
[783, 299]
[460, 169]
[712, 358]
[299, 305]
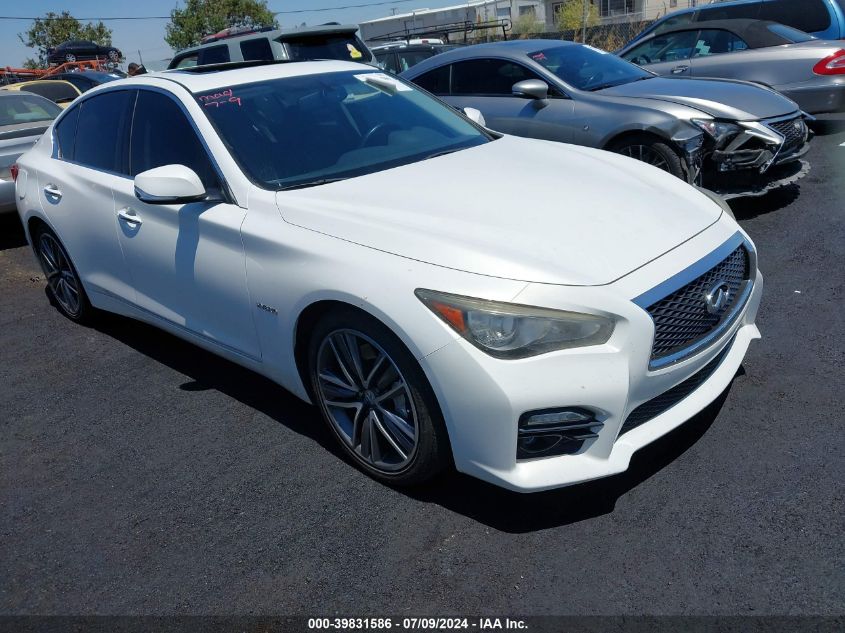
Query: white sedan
[532, 312]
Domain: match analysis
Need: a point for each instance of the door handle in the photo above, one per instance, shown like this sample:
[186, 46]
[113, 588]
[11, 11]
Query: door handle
[129, 216]
[677, 70]
[53, 191]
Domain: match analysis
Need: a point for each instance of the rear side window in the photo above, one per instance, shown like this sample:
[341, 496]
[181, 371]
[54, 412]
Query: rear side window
[59, 92]
[102, 130]
[435, 81]
[488, 77]
[807, 15]
[256, 49]
[213, 55]
[345, 47]
[188, 61]
[162, 135]
[66, 133]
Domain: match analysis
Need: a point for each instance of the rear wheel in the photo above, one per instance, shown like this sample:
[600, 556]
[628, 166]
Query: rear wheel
[70, 57]
[376, 399]
[652, 151]
[63, 284]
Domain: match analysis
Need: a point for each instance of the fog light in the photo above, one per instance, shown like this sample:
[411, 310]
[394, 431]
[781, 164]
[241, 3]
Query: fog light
[551, 432]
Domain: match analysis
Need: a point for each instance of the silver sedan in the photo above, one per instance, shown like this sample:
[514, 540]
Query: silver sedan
[809, 71]
[733, 137]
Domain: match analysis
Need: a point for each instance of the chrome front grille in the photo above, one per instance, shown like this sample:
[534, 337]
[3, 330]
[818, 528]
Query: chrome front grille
[793, 130]
[683, 319]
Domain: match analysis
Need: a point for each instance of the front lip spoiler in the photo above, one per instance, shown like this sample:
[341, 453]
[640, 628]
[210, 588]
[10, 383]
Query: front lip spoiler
[792, 172]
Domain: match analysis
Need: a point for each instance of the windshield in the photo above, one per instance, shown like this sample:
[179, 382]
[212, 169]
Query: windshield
[303, 131]
[15, 109]
[588, 68]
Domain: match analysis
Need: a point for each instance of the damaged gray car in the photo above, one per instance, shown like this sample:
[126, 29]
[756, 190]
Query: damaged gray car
[732, 137]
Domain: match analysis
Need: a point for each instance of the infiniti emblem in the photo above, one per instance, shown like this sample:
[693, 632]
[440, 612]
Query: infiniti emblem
[717, 297]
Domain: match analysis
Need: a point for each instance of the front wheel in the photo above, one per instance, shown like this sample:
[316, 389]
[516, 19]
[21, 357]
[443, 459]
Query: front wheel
[652, 151]
[376, 399]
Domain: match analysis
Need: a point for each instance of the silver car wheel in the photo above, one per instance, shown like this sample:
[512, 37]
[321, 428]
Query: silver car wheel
[61, 277]
[645, 154]
[70, 57]
[367, 400]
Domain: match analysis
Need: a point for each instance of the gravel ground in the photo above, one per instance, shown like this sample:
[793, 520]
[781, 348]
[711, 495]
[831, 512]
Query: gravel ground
[140, 475]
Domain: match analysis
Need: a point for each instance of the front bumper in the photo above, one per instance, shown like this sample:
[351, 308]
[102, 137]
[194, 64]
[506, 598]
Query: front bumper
[483, 398]
[766, 155]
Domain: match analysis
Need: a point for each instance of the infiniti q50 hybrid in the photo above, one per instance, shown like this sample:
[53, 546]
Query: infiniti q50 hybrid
[334, 228]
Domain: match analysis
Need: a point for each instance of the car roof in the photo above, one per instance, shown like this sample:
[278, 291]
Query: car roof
[303, 32]
[513, 49]
[212, 77]
[755, 33]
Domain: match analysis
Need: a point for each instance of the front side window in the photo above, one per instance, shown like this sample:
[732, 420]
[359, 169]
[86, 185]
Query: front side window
[387, 60]
[23, 108]
[494, 77]
[102, 131]
[664, 48]
[162, 135]
[302, 131]
[588, 68]
[188, 61]
[406, 59]
[748, 10]
[670, 22]
[716, 42]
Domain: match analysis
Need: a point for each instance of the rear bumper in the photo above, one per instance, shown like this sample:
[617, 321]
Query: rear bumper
[7, 196]
[818, 98]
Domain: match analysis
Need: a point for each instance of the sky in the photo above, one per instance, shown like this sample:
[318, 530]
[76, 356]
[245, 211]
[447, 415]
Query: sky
[145, 38]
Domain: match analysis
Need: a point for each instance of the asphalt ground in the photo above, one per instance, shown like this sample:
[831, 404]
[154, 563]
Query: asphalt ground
[141, 475]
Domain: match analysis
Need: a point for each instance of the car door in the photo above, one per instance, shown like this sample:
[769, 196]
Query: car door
[712, 55]
[75, 188]
[186, 260]
[665, 54]
[487, 85]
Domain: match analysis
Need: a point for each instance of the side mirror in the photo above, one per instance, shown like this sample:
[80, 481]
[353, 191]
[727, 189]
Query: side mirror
[169, 184]
[475, 116]
[531, 89]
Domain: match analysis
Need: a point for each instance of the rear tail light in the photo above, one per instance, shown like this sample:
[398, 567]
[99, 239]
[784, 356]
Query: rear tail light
[14, 171]
[832, 65]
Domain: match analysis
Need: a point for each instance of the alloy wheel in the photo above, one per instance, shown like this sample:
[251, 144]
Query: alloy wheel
[61, 277]
[368, 401]
[646, 154]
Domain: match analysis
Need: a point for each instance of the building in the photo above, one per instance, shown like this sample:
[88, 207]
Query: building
[451, 21]
[623, 10]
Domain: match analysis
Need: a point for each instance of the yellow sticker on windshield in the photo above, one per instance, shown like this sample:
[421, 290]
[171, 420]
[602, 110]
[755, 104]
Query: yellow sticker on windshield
[354, 53]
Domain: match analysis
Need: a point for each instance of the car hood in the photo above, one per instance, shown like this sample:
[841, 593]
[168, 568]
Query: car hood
[720, 98]
[513, 208]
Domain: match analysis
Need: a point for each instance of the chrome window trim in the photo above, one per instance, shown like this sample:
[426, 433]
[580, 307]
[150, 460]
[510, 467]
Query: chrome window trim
[688, 275]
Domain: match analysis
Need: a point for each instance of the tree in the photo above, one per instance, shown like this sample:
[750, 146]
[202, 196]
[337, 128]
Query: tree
[570, 15]
[526, 24]
[205, 17]
[53, 29]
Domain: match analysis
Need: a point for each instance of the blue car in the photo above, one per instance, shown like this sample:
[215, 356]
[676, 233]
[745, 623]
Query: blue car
[824, 19]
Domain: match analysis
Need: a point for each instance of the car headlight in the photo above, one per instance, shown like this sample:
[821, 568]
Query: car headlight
[507, 330]
[717, 130]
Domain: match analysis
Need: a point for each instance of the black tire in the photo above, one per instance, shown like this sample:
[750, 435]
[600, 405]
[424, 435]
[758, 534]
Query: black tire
[652, 150]
[431, 451]
[63, 284]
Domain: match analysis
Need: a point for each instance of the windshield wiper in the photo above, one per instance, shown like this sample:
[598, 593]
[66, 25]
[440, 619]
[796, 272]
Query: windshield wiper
[443, 153]
[620, 83]
[312, 183]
